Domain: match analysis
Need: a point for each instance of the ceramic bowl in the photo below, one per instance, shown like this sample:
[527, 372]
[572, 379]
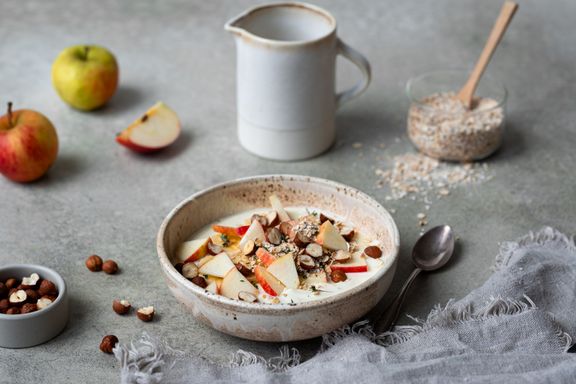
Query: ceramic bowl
[278, 322]
[29, 329]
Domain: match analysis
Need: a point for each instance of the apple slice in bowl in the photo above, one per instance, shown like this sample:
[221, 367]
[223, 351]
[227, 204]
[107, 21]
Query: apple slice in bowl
[156, 129]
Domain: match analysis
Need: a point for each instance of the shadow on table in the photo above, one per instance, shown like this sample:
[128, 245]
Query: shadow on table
[513, 145]
[126, 98]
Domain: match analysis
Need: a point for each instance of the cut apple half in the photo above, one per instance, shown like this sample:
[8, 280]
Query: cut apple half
[330, 238]
[268, 282]
[156, 129]
[284, 269]
[218, 266]
[279, 208]
[357, 263]
[254, 232]
[192, 250]
[234, 282]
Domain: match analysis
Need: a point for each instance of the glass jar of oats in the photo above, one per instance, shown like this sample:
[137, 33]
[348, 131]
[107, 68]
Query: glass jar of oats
[441, 127]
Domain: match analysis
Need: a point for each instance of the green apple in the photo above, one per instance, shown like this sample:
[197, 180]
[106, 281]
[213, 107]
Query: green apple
[85, 76]
[28, 145]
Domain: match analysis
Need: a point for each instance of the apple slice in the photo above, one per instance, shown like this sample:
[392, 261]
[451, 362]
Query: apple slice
[192, 250]
[268, 282]
[218, 266]
[279, 208]
[234, 282]
[329, 237]
[157, 129]
[254, 232]
[217, 281]
[212, 287]
[357, 263]
[203, 260]
[265, 257]
[284, 269]
[232, 232]
[316, 278]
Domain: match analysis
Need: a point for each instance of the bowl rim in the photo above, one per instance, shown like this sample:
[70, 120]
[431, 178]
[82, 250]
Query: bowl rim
[266, 308]
[62, 291]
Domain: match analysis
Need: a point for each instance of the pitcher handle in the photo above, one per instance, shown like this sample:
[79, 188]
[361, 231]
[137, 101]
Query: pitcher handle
[362, 63]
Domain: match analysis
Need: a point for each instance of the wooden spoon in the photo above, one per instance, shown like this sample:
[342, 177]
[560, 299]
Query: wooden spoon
[506, 13]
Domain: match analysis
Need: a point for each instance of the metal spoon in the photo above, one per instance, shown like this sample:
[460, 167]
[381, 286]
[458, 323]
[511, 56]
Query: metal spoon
[432, 251]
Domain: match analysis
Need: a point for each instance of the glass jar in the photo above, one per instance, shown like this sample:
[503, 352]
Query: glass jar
[440, 126]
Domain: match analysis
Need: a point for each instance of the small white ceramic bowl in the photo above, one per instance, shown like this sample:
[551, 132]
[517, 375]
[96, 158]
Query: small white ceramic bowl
[29, 329]
[278, 322]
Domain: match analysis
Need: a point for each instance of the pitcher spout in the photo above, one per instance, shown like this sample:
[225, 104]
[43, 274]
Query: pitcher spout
[233, 25]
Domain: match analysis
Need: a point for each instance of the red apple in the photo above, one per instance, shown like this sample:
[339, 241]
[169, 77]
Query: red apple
[156, 129]
[265, 257]
[192, 250]
[269, 283]
[357, 263]
[254, 232]
[329, 237]
[28, 145]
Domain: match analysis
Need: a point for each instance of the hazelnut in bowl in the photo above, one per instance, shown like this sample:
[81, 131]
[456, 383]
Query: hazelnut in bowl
[280, 257]
[33, 305]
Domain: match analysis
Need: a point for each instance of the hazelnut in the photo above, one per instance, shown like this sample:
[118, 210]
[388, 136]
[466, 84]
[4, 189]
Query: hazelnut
[110, 267]
[347, 233]
[199, 281]
[373, 251]
[108, 343]
[286, 228]
[189, 271]
[342, 255]
[338, 276]
[145, 314]
[18, 297]
[178, 267]
[31, 281]
[121, 307]
[3, 290]
[324, 218]
[306, 262]
[247, 297]
[47, 288]
[94, 263]
[263, 220]
[314, 250]
[49, 297]
[13, 311]
[272, 218]
[29, 307]
[43, 302]
[244, 270]
[4, 305]
[274, 236]
[11, 283]
[213, 249]
[31, 295]
[249, 248]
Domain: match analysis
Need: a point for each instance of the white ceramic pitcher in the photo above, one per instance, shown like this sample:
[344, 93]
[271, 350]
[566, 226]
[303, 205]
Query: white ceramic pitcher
[286, 61]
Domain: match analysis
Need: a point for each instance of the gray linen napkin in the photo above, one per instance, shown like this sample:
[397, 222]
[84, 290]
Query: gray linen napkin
[515, 328]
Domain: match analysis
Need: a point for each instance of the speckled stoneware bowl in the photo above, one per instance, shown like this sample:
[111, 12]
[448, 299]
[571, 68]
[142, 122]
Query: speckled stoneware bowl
[278, 322]
[29, 329]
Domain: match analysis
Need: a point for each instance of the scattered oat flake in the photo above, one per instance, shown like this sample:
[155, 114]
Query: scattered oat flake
[421, 216]
[357, 145]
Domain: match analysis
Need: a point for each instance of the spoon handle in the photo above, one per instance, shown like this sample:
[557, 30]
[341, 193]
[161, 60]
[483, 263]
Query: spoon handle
[391, 313]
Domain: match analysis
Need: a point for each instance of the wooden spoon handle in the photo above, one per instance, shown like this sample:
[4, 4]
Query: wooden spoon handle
[506, 13]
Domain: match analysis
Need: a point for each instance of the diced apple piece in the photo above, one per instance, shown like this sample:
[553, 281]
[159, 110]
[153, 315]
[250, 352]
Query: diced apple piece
[268, 282]
[218, 266]
[192, 250]
[214, 280]
[265, 257]
[316, 278]
[232, 232]
[234, 282]
[284, 269]
[329, 237]
[157, 129]
[357, 263]
[255, 232]
[212, 287]
[279, 208]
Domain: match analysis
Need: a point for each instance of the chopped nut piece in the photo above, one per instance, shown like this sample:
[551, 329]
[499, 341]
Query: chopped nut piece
[244, 270]
[274, 236]
[272, 218]
[189, 271]
[29, 307]
[314, 250]
[306, 262]
[249, 248]
[18, 297]
[145, 314]
[286, 228]
[47, 288]
[108, 343]
[342, 256]
[199, 281]
[94, 263]
[373, 251]
[31, 296]
[324, 218]
[347, 233]
[121, 307]
[214, 249]
[263, 220]
[43, 302]
[30, 282]
[338, 276]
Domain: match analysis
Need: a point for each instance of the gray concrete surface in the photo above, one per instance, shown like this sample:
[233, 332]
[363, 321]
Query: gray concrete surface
[100, 198]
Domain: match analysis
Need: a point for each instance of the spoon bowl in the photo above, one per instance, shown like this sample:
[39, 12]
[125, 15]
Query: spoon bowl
[433, 249]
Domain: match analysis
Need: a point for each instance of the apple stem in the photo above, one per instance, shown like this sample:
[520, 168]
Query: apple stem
[10, 114]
